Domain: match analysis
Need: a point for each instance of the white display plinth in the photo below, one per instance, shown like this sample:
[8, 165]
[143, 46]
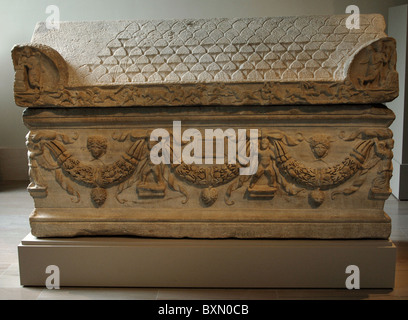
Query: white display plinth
[229, 263]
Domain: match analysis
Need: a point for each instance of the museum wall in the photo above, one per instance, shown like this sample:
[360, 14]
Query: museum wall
[19, 17]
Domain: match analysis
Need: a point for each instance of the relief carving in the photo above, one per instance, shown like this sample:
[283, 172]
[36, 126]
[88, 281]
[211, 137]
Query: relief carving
[250, 67]
[229, 94]
[97, 146]
[320, 145]
[382, 154]
[151, 182]
[39, 71]
[265, 168]
[281, 168]
[208, 196]
[381, 184]
[277, 169]
[37, 186]
[374, 67]
[39, 157]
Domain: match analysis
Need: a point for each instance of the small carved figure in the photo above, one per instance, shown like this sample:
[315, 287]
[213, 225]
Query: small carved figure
[151, 168]
[376, 62]
[265, 168]
[97, 146]
[37, 72]
[31, 60]
[373, 65]
[320, 145]
[381, 184]
[36, 185]
[155, 186]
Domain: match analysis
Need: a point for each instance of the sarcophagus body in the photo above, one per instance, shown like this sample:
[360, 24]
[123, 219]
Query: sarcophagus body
[211, 128]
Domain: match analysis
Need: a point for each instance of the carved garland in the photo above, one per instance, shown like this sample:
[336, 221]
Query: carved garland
[47, 149]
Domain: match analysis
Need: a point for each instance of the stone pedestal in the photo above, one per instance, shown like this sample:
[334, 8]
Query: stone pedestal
[199, 263]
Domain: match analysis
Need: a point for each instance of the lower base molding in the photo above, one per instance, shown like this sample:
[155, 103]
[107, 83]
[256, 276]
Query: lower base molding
[216, 230]
[216, 224]
[220, 263]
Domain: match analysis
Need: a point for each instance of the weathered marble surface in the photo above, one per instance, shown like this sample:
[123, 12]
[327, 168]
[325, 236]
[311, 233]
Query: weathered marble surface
[313, 89]
[324, 174]
[257, 61]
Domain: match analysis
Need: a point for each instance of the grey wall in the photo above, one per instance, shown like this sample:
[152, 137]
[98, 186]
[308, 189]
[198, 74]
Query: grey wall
[18, 18]
[398, 29]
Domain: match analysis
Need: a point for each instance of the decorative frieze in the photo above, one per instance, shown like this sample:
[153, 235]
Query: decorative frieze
[331, 167]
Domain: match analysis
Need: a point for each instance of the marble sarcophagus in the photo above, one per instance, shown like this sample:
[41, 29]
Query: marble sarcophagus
[210, 128]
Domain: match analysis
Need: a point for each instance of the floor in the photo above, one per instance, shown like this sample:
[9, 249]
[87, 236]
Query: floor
[16, 205]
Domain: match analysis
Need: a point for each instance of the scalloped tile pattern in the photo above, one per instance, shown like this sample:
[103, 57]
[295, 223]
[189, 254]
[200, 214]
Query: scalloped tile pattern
[231, 50]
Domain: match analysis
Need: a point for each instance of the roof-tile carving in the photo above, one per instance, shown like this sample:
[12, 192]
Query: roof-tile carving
[295, 48]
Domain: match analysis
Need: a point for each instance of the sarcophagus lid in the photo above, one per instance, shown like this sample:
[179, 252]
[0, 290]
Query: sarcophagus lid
[252, 61]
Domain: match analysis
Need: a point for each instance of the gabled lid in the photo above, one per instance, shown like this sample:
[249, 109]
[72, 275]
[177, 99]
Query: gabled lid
[253, 61]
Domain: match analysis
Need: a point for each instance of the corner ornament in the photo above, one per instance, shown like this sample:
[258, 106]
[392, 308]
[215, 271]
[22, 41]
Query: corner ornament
[373, 68]
[39, 71]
